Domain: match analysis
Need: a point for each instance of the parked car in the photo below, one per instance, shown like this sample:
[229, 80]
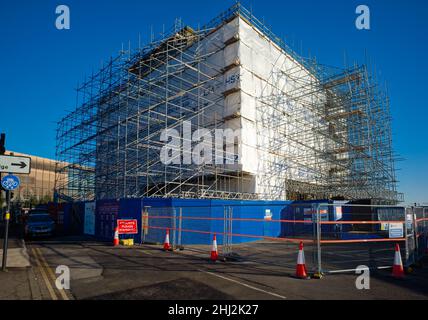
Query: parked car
[39, 224]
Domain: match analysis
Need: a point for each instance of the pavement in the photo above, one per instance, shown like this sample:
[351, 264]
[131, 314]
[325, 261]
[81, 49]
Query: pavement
[19, 282]
[99, 271]
[17, 252]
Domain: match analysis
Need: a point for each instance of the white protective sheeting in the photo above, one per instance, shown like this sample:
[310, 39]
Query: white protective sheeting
[267, 71]
[254, 69]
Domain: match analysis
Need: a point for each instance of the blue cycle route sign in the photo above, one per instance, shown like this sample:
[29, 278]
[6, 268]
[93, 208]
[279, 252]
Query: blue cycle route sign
[10, 182]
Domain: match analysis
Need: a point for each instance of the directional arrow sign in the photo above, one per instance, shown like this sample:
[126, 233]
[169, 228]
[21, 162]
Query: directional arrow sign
[12, 164]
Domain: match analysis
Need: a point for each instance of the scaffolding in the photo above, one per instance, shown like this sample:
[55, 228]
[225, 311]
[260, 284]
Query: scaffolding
[342, 139]
[326, 134]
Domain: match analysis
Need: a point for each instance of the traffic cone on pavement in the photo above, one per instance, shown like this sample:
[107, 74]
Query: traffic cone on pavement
[116, 237]
[214, 250]
[301, 271]
[166, 245]
[397, 269]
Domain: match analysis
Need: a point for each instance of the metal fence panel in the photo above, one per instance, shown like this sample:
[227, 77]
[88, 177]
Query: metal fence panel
[361, 235]
[338, 237]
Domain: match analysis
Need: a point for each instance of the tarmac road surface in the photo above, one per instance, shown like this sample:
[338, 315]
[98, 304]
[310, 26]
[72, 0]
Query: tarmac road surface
[100, 271]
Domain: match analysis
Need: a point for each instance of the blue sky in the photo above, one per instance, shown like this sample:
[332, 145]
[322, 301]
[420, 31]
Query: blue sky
[41, 66]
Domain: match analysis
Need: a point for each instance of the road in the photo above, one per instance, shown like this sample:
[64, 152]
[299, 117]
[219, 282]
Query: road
[100, 271]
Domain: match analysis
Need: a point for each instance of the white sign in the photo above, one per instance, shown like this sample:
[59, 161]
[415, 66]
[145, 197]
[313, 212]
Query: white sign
[268, 214]
[409, 222]
[396, 230]
[89, 225]
[12, 164]
[339, 213]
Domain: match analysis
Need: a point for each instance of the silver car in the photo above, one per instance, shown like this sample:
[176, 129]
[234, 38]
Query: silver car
[39, 224]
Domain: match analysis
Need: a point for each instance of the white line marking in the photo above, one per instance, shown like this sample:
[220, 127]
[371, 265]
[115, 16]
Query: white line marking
[146, 252]
[354, 270]
[243, 284]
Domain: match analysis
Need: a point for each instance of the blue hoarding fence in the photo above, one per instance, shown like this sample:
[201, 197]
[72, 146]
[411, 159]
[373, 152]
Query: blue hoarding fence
[338, 235]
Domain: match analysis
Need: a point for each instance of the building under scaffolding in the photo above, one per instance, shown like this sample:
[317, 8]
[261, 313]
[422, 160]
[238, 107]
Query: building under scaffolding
[301, 130]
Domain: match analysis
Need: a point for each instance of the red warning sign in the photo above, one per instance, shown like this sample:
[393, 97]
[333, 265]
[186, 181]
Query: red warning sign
[127, 226]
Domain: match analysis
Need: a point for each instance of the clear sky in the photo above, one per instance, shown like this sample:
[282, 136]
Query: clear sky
[41, 66]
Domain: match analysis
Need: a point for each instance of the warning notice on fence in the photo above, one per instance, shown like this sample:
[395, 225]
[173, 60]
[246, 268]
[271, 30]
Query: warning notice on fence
[127, 226]
[396, 230]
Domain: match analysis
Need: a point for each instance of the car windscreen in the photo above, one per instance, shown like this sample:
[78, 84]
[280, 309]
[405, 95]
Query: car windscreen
[39, 212]
[39, 218]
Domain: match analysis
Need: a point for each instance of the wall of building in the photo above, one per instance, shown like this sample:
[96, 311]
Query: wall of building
[40, 183]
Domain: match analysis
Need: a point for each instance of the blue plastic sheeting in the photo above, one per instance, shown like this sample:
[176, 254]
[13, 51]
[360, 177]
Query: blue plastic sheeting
[210, 214]
[131, 209]
[107, 212]
[67, 212]
[358, 236]
[199, 231]
[301, 211]
[254, 210]
[204, 218]
[306, 211]
[74, 215]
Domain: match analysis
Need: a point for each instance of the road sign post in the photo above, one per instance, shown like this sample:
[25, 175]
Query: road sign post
[13, 164]
[9, 183]
[2, 152]
[6, 233]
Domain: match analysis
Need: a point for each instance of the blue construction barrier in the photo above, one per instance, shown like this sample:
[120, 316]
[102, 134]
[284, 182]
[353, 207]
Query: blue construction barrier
[195, 231]
[252, 220]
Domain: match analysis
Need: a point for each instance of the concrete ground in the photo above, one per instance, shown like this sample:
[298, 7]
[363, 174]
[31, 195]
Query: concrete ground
[19, 282]
[17, 253]
[100, 271]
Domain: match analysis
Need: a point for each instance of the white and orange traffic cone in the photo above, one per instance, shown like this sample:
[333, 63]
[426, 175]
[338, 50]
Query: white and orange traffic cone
[301, 271]
[116, 237]
[397, 268]
[166, 245]
[214, 250]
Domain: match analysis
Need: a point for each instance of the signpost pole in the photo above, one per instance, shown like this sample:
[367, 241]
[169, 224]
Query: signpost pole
[6, 233]
[2, 152]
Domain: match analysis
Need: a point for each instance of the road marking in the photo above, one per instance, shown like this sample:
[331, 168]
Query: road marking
[243, 284]
[50, 272]
[45, 277]
[234, 281]
[354, 270]
[144, 251]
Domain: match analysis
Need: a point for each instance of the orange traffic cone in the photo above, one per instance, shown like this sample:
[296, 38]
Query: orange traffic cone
[301, 271]
[214, 250]
[397, 269]
[166, 245]
[116, 237]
